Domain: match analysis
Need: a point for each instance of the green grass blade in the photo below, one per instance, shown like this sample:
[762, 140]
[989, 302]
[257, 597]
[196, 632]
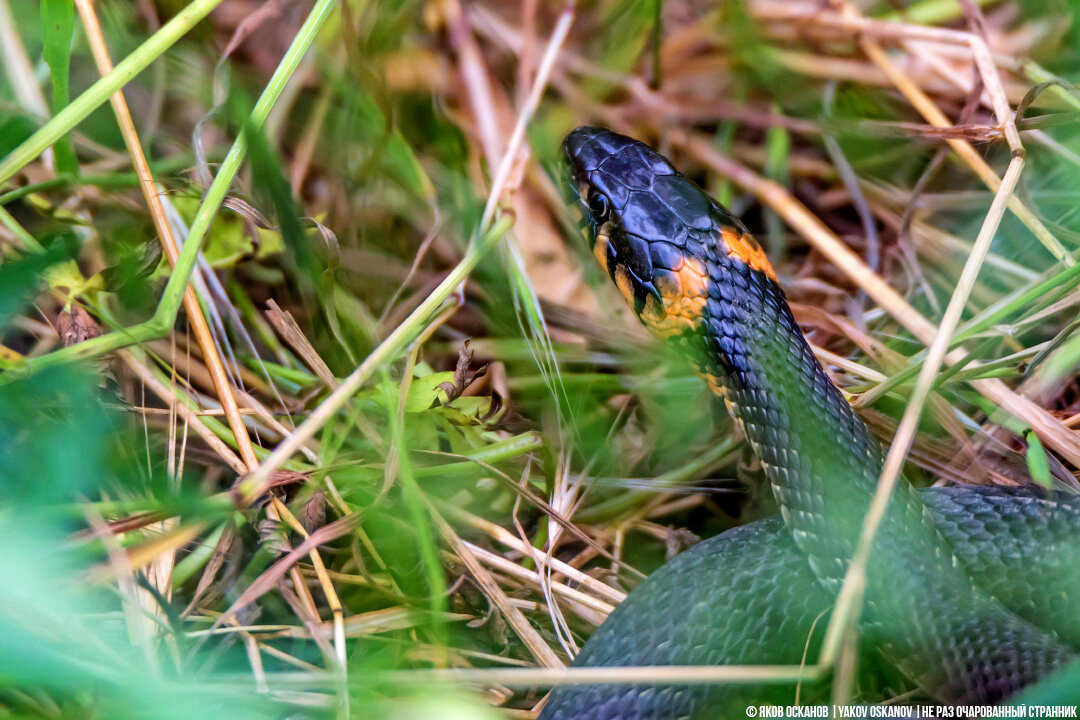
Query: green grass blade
[165, 315]
[98, 93]
[58, 25]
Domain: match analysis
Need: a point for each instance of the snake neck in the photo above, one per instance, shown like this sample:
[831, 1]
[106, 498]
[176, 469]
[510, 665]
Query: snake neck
[820, 458]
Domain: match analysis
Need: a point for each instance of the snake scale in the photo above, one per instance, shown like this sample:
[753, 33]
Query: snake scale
[972, 592]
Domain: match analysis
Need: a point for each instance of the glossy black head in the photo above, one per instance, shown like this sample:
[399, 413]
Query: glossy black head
[652, 229]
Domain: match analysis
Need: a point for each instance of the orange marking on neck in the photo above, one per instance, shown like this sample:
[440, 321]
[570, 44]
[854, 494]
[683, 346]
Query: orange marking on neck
[716, 384]
[743, 246]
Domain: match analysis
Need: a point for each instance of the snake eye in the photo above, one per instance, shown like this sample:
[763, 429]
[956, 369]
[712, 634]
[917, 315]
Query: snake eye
[598, 206]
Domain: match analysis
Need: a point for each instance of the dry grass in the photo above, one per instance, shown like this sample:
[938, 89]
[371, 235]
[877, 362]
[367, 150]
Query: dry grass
[323, 496]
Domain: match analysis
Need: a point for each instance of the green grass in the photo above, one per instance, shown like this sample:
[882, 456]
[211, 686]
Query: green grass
[351, 185]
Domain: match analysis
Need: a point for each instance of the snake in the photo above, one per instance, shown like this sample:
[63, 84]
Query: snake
[972, 592]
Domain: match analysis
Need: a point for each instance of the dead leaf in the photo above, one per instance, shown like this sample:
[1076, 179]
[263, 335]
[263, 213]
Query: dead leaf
[76, 326]
[313, 514]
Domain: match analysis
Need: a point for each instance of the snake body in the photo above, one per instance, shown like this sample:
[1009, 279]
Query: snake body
[972, 593]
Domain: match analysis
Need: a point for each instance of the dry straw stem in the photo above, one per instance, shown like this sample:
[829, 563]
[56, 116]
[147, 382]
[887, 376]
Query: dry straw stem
[534, 579]
[251, 647]
[145, 410]
[304, 600]
[557, 519]
[505, 537]
[137, 619]
[286, 657]
[850, 598]
[324, 580]
[624, 675]
[476, 77]
[967, 153]
[161, 223]
[188, 363]
[540, 650]
[146, 553]
[362, 624]
[270, 577]
[20, 72]
[181, 408]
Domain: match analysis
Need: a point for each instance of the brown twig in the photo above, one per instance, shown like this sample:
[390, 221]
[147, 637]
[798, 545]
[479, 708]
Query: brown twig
[156, 207]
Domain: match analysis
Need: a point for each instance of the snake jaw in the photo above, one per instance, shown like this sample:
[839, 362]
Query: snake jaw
[637, 291]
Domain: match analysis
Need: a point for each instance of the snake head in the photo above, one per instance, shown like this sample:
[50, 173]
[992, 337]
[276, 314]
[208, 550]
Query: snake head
[655, 232]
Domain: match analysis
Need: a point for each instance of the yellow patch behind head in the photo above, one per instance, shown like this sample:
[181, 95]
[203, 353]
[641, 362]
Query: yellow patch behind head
[683, 295]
